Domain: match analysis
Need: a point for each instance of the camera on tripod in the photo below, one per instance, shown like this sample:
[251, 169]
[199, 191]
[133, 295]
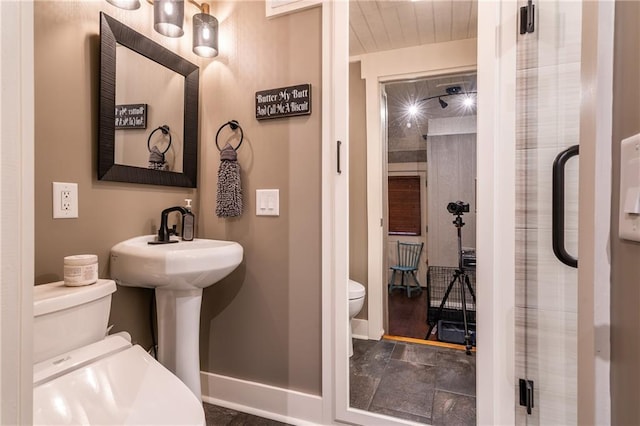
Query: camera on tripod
[458, 207]
[460, 277]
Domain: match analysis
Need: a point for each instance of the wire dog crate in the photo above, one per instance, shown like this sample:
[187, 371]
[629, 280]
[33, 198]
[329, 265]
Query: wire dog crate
[438, 280]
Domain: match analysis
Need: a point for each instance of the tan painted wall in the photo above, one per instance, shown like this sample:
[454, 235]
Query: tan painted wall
[358, 259]
[263, 322]
[625, 255]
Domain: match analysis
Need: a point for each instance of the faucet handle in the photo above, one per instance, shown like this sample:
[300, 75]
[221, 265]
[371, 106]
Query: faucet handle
[173, 230]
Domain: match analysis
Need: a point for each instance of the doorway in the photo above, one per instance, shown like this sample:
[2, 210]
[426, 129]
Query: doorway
[431, 162]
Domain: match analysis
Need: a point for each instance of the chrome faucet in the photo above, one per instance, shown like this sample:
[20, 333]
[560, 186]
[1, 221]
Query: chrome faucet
[164, 233]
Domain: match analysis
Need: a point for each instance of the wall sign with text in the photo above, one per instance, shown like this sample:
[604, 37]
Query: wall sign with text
[283, 102]
[132, 116]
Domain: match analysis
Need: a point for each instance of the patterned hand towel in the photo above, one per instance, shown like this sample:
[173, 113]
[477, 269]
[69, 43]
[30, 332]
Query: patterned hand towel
[229, 195]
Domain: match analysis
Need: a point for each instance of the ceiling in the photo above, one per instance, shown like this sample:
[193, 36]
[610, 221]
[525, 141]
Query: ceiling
[376, 25]
[401, 95]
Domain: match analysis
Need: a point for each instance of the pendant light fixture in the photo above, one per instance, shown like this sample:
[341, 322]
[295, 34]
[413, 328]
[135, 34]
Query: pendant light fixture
[168, 16]
[205, 33]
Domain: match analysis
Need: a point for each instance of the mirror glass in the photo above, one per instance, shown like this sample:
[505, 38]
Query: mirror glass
[148, 130]
[137, 95]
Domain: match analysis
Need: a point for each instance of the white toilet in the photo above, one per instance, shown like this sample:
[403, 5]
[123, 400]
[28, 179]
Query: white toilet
[356, 301]
[82, 377]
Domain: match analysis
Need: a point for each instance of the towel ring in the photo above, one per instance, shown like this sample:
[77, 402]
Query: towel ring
[165, 131]
[234, 125]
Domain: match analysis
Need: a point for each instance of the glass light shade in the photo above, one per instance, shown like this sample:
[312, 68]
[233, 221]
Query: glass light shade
[205, 35]
[168, 16]
[125, 4]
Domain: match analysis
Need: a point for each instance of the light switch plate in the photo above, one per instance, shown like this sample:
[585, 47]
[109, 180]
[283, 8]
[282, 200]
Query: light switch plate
[267, 202]
[65, 200]
[629, 224]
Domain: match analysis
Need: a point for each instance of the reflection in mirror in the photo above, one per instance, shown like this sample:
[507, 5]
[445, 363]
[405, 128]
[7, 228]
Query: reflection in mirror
[148, 130]
[137, 83]
[407, 374]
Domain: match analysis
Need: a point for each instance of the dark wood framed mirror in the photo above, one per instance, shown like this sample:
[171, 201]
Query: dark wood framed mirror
[113, 36]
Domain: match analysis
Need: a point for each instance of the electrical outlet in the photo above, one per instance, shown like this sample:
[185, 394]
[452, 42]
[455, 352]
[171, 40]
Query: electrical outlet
[65, 196]
[65, 200]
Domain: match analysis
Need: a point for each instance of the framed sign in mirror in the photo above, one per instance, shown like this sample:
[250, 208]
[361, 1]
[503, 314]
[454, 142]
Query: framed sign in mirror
[139, 77]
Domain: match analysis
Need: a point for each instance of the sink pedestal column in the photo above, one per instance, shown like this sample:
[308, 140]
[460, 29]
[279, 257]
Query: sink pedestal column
[178, 314]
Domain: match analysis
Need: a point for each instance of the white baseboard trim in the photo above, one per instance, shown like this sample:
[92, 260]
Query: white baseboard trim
[283, 405]
[360, 328]
[376, 334]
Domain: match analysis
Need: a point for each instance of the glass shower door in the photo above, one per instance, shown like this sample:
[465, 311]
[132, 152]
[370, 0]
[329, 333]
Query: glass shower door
[547, 123]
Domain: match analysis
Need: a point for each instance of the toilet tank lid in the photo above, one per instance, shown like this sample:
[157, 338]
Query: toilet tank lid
[52, 297]
[356, 290]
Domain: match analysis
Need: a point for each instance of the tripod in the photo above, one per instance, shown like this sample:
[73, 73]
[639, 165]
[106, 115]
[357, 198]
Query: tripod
[462, 279]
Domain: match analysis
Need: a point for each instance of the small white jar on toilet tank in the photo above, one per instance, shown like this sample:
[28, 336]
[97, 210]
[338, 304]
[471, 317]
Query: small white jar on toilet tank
[81, 269]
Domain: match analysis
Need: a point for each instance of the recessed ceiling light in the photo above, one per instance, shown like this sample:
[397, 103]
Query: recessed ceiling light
[468, 102]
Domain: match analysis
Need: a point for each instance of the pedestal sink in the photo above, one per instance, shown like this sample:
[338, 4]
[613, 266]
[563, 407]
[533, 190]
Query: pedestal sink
[178, 272]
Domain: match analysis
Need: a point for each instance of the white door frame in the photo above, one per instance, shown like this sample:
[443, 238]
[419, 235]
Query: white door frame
[495, 221]
[594, 272]
[335, 208]
[496, 58]
[16, 211]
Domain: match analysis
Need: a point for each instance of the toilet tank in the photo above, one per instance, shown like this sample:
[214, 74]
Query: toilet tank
[67, 318]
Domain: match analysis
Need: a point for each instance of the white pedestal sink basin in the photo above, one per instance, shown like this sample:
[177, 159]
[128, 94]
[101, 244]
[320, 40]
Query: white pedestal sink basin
[178, 272]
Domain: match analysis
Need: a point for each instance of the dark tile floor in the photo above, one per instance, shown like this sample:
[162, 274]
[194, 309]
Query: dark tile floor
[220, 416]
[426, 384]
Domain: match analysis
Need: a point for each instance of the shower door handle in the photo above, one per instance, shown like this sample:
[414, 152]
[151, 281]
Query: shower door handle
[557, 206]
[338, 168]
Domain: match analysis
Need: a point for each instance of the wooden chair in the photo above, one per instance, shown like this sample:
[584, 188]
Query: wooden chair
[408, 261]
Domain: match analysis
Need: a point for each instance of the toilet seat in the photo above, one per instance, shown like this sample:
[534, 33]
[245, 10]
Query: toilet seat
[111, 382]
[356, 290]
